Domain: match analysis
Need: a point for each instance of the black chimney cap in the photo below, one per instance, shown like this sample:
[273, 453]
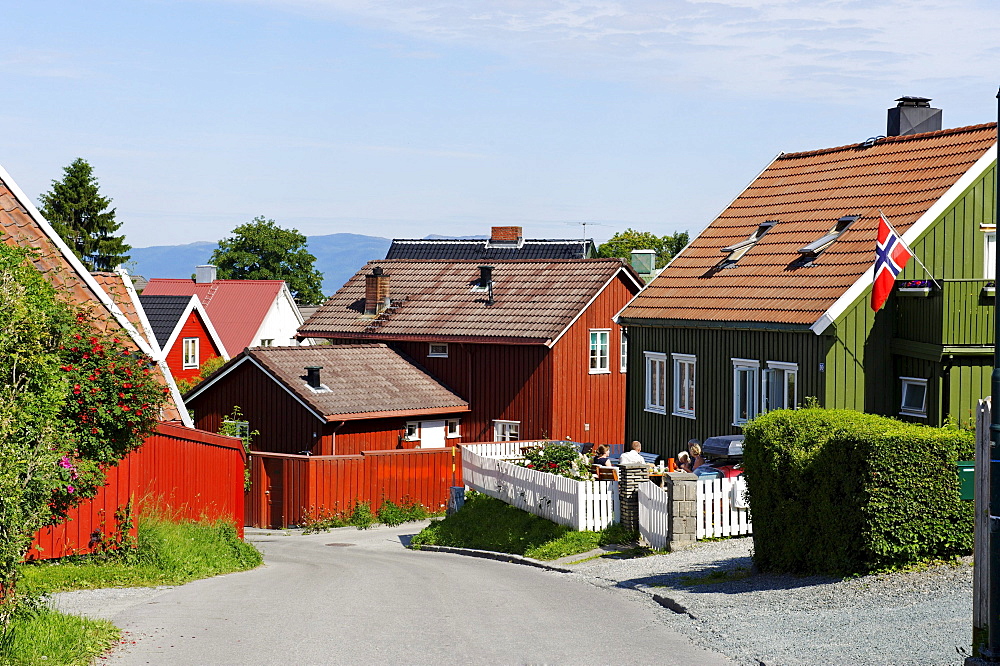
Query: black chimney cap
[312, 375]
[910, 100]
[378, 270]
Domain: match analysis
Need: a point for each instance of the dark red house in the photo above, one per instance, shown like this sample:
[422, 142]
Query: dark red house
[184, 333]
[531, 345]
[331, 400]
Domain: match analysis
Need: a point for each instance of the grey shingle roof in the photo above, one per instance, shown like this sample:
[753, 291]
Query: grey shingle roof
[484, 250]
[163, 313]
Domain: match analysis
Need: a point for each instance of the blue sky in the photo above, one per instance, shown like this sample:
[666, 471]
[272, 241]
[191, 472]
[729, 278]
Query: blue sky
[401, 119]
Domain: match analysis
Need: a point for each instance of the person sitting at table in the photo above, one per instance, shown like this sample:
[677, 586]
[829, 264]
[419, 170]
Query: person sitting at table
[632, 457]
[602, 455]
[694, 450]
[684, 461]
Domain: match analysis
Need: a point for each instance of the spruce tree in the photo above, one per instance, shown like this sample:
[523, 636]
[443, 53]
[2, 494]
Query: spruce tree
[80, 215]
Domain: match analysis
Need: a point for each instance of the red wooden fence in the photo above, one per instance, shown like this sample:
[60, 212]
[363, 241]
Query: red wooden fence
[285, 486]
[191, 473]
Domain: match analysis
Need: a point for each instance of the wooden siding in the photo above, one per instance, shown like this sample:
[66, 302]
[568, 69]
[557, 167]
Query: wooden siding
[586, 407]
[858, 359]
[337, 483]
[284, 424]
[959, 314]
[506, 382]
[191, 473]
[194, 327]
[714, 350]
[966, 381]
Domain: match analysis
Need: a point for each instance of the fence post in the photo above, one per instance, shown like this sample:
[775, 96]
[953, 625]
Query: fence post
[629, 479]
[682, 489]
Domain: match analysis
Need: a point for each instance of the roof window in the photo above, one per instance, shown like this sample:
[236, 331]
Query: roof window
[817, 247]
[737, 250]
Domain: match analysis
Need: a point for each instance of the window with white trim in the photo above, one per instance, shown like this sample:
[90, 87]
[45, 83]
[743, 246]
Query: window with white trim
[190, 353]
[267, 342]
[779, 387]
[656, 382]
[506, 431]
[453, 428]
[624, 350]
[683, 384]
[412, 432]
[914, 402]
[599, 351]
[438, 350]
[745, 382]
[990, 256]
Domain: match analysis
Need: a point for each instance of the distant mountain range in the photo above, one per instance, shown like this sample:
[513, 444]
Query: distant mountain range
[338, 257]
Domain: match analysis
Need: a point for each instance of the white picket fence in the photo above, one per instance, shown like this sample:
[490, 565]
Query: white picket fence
[654, 515]
[722, 508]
[583, 505]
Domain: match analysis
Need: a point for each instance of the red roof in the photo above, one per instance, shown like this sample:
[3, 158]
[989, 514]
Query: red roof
[237, 308]
[805, 194]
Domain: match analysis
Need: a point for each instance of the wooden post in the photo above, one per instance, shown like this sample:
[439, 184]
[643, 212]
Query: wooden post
[981, 558]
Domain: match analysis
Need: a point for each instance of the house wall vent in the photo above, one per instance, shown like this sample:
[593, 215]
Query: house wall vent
[205, 274]
[912, 115]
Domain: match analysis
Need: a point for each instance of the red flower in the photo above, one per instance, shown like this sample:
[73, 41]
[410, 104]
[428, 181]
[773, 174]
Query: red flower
[552, 465]
[76, 389]
[66, 368]
[93, 431]
[127, 385]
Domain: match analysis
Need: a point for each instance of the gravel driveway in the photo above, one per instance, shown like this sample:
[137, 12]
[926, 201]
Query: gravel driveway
[919, 617]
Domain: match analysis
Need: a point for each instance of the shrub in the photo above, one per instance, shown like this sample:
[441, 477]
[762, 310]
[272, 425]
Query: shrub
[561, 459]
[841, 492]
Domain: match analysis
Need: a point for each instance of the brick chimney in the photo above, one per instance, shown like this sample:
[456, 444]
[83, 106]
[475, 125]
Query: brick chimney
[505, 235]
[376, 291]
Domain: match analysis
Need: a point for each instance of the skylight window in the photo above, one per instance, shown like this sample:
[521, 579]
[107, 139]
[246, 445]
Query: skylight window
[737, 250]
[817, 247]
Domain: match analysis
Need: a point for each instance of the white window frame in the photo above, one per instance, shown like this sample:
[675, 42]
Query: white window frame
[267, 342]
[411, 432]
[190, 353]
[989, 255]
[503, 431]
[440, 352]
[787, 371]
[685, 368]
[912, 381]
[453, 428]
[655, 382]
[624, 351]
[752, 402]
[600, 351]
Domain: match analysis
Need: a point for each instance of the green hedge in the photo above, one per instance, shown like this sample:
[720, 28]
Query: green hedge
[841, 492]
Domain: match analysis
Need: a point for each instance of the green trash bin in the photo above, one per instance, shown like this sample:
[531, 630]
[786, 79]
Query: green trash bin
[967, 479]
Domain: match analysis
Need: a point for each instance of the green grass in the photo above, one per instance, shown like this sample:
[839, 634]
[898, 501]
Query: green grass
[169, 553]
[485, 523]
[52, 638]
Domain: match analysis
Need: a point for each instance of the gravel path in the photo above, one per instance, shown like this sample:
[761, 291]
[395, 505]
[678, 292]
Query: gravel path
[920, 617]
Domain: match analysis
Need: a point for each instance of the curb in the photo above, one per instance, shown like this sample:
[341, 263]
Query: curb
[666, 602]
[499, 557]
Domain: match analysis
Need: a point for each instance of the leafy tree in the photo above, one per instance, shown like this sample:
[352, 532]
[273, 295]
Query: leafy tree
[73, 402]
[623, 242]
[80, 215]
[261, 250]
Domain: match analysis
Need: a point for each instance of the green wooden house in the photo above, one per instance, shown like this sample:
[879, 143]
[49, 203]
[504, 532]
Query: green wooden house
[769, 306]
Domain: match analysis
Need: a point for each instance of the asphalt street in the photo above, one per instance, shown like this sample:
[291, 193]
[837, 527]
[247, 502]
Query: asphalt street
[360, 597]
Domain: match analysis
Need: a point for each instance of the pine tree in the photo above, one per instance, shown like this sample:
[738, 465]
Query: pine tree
[80, 215]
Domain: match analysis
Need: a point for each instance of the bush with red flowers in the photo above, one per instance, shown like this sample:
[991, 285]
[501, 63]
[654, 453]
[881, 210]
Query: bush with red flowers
[554, 458]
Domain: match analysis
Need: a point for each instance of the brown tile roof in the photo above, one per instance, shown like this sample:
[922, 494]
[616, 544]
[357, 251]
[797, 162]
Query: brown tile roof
[113, 285]
[806, 193]
[365, 381]
[534, 301]
[19, 228]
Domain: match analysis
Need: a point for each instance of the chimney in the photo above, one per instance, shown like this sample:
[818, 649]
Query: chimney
[312, 375]
[376, 291]
[643, 261]
[486, 282]
[204, 274]
[505, 235]
[912, 115]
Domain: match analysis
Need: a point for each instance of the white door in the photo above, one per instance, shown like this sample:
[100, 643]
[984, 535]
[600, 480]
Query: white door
[432, 434]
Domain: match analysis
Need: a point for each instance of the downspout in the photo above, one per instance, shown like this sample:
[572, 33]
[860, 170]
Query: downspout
[333, 438]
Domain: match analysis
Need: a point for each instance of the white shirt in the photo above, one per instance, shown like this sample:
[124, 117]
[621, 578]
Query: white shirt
[631, 458]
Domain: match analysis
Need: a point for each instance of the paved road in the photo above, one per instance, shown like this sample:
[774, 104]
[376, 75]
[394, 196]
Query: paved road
[355, 597]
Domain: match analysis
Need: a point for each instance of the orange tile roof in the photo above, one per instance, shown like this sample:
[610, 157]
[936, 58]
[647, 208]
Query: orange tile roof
[806, 193]
[534, 300]
[19, 228]
[237, 308]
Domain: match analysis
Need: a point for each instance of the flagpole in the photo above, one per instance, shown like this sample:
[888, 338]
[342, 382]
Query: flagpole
[914, 254]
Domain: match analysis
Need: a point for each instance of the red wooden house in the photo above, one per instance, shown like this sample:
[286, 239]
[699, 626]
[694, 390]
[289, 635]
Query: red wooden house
[531, 345]
[331, 400]
[184, 333]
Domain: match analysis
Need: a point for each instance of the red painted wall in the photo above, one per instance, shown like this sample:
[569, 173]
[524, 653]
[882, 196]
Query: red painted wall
[194, 327]
[191, 472]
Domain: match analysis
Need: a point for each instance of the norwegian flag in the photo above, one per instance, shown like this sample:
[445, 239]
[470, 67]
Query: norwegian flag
[891, 255]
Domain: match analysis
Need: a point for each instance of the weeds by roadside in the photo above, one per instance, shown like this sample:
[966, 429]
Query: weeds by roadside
[316, 520]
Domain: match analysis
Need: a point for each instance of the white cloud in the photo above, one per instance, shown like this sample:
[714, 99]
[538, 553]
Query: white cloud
[825, 46]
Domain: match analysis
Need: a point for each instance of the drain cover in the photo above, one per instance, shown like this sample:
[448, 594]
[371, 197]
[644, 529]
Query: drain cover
[340, 544]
